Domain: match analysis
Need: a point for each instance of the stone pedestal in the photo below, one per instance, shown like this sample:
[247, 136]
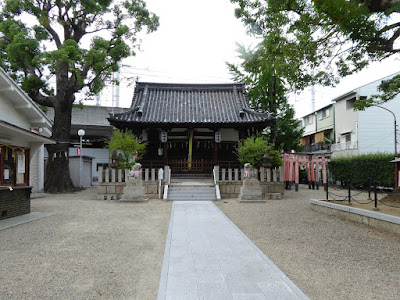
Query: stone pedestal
[134, 190]
[251, 191]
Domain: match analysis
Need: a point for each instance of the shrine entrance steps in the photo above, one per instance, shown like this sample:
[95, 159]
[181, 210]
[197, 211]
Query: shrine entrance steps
[191, 190]
[191, 176]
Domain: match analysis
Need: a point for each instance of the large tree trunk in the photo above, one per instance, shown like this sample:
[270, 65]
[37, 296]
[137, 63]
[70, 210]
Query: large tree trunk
[272, 107]
[58, 178]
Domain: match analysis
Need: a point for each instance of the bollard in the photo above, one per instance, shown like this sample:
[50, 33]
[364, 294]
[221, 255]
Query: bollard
[376, 196]
[369, 190]
[349, 183]
[326, 189]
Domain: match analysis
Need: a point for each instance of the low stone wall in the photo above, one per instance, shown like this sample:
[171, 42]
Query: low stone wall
[114, 190]
[363, 216]
[231, 189]
[16, 202]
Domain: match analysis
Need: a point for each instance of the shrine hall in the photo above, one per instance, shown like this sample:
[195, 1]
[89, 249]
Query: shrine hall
[190, 127]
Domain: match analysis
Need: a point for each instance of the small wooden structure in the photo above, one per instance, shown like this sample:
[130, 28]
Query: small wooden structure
[312, 162]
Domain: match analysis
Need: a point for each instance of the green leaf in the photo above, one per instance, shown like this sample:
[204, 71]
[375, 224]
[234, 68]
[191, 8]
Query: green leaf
[129, 148]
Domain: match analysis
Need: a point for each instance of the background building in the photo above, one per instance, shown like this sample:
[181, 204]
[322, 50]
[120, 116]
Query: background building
[24, 130]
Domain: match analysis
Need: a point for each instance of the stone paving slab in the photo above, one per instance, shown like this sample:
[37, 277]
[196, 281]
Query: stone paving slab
[33, 216]
[208, 257]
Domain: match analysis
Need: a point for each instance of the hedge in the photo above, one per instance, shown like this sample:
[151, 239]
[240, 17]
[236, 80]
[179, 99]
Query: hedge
[363, 168]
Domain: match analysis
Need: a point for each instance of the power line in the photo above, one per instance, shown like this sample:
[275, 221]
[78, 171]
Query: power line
[150, 71]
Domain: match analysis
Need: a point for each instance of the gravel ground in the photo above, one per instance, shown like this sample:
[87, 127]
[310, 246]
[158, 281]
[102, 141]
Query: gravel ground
[326, 257]
[94, 249]
[90, 249]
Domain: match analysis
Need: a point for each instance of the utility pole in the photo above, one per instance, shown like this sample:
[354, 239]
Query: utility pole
[396, 169]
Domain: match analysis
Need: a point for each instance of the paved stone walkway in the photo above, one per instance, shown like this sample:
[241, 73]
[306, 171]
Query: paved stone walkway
[208, 257]
[33, 216]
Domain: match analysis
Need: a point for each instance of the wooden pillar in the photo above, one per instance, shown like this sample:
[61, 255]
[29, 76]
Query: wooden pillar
[296, 176]
[290, 174]
[165, 154]
[312, 171]
[317, 175]
[287, 174]
[324, 178]
[215, 158]
[309, 174]
[2, 150]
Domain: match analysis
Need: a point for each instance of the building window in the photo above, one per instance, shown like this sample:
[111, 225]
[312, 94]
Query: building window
[350, 104]
[308, 120]
[14, 164]
[346, 137]
[322, 114]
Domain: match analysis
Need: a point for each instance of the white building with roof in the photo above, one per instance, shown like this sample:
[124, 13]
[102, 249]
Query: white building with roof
[368, 131]
[24, 130]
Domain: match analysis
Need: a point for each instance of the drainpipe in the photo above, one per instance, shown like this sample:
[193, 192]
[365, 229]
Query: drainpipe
[356, 123]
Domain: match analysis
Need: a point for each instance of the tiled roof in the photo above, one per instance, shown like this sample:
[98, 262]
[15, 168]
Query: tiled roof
[201, 104]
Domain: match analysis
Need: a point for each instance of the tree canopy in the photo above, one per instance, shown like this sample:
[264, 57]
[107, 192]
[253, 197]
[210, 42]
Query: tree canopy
[129, 148]
[265, 71]
[56, 45]
[73, 44]
[331, 38]
[252, 150]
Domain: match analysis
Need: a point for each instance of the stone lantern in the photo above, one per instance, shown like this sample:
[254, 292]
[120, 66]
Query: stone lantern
[267, 160]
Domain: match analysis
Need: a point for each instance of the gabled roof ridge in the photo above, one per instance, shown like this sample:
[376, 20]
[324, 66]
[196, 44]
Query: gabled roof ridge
[171, 103]
[191, 86]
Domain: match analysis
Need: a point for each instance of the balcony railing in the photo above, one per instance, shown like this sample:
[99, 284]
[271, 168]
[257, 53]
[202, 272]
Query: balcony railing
[317, 147]
[345, 146]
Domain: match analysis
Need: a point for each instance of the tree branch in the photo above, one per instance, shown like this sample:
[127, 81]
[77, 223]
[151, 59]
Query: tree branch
[40, 99]
[99, 75]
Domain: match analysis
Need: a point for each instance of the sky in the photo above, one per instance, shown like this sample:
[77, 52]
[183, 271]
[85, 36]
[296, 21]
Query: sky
[194, 41]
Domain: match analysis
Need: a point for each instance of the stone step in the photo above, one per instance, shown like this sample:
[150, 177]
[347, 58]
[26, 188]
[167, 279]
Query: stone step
[192, 184]
[183, 198]
[211, 195]
[191, 199]
[191, 193]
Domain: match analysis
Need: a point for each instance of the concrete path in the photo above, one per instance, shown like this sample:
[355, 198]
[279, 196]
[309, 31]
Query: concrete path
[33, 216]
[208, 257]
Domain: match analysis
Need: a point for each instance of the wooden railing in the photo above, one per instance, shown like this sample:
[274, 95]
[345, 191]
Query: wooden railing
[118, 175]
[237, 174]
[201, 165]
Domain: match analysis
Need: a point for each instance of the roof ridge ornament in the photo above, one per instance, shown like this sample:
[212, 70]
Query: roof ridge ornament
[239, 105]
[144, 97]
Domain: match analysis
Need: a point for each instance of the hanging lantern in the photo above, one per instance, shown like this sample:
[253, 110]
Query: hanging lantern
[217, 137]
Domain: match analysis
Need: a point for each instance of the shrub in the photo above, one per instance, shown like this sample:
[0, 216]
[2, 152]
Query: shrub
[363, 168]
[252, 150]
[130, 149]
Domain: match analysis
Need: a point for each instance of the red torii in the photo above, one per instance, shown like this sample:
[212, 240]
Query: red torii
[292, 163]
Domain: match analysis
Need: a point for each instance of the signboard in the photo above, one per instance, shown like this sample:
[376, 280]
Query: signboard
[164, 136]
[218, 137]
[21, 163]
[78, 151]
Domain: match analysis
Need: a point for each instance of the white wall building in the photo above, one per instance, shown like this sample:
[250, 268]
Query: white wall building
[24, 130]
[368, 131]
